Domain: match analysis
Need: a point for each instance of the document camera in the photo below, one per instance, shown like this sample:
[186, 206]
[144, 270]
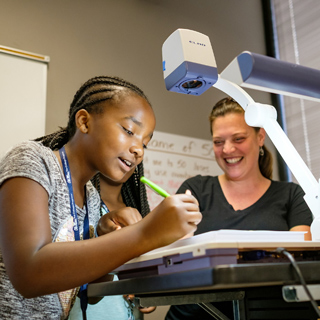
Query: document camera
[188, 63]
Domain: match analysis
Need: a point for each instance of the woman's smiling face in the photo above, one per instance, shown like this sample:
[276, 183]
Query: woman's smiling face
[236, 145]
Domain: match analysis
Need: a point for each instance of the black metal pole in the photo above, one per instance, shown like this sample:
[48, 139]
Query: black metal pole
[271, 38]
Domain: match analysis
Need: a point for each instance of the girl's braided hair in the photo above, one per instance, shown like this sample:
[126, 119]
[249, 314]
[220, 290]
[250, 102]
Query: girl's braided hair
[89, 97]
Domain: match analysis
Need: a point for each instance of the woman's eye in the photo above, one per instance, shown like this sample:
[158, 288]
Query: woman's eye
[217, 143]
[239, 139]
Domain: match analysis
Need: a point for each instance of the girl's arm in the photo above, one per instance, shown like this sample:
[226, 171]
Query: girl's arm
[36, 266]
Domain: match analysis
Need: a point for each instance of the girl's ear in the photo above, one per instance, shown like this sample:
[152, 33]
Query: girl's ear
[81, 119]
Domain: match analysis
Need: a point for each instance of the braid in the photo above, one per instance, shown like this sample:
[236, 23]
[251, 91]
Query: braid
[55, 140]
[134, 192]
[89, 97]
[96, 183]
[145, 209]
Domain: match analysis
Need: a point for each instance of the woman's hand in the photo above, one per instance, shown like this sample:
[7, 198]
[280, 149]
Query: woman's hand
[117, 219]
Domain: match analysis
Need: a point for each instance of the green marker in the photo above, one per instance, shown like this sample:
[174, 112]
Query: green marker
[154, 187]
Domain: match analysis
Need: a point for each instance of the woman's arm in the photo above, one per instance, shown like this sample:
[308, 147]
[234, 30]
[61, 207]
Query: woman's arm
[307, 236]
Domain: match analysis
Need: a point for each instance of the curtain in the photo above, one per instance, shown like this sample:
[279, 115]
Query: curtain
[297, 25]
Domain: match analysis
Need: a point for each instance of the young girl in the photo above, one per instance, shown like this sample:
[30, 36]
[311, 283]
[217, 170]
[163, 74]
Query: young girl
[46, 200]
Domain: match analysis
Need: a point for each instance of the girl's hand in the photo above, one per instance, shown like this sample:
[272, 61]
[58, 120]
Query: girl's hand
[117, 219]
[175, 217]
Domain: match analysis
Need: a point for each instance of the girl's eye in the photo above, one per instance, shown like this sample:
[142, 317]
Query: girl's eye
[239, 139]
[128, 131]
[217, 143]
[131, 134]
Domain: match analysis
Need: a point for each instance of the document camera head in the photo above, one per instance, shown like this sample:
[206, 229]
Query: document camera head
[188, 62]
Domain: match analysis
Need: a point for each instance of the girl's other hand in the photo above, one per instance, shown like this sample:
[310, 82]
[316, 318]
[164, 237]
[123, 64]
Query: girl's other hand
[117, 219]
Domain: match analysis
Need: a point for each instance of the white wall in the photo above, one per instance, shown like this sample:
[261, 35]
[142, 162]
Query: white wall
[124, 38]
[28, 108]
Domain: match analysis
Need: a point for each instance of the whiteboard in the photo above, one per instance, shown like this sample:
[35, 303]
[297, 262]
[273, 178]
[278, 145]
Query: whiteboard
[170, 159]
[23, 84]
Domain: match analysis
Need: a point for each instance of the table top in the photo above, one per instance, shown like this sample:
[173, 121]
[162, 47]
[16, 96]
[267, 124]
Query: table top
[242, 240]
[208, 279]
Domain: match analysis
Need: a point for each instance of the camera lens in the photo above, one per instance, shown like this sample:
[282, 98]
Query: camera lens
[193, 84]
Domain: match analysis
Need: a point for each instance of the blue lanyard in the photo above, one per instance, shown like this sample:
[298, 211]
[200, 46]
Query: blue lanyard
[67, 174]
[86, 232]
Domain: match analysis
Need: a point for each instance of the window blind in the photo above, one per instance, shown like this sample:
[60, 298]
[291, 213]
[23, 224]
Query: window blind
[298, 33]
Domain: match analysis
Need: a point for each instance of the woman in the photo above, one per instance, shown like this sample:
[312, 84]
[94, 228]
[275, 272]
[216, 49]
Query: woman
[244, 197]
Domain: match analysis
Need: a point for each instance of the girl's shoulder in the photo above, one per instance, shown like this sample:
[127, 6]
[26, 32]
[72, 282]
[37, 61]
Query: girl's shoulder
[29, 159]
[27, 148]
[28, 153]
